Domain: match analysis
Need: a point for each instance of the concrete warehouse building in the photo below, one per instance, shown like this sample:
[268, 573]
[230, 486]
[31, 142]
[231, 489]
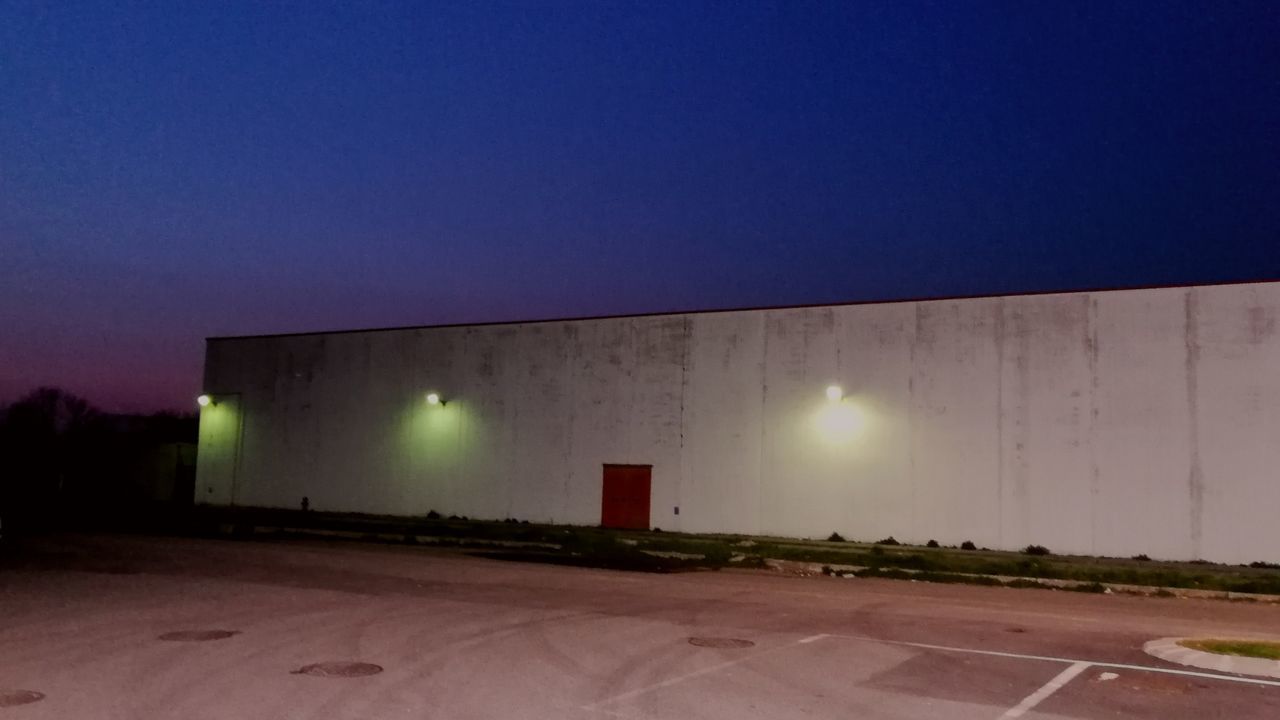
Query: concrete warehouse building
[1109, 423]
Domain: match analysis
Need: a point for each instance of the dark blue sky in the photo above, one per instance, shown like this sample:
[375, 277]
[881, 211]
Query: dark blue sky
[175, 170]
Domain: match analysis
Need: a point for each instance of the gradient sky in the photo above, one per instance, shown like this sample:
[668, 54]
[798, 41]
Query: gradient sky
[171, 170]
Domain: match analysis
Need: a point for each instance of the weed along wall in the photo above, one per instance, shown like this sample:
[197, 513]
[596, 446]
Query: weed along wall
[1110, 423]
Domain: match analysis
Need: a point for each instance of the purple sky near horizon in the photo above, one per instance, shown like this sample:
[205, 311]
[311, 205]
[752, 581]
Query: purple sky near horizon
[171, 171]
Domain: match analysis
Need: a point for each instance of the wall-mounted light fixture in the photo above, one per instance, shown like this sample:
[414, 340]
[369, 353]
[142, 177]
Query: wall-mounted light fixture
[204, 401]
[841, 419]
[435, 399]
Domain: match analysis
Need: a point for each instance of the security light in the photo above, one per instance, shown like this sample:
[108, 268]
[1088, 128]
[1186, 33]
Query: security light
[434, 399]
[204, 401]
[835, 393]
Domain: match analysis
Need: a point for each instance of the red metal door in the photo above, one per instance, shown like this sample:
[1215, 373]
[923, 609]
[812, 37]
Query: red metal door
[625, 500]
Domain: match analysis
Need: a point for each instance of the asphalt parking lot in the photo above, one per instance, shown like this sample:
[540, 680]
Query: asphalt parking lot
[455, 636]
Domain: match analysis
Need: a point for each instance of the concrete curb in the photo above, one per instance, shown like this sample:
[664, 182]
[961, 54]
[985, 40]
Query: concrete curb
[800, 567]
[1169, 649]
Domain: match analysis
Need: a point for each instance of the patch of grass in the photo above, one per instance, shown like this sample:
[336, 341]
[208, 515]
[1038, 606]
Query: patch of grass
[1242, 648]
[609, 550]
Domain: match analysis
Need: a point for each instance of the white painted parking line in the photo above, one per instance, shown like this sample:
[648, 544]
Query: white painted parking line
[1075, 667]
[1048, 689]
[1068, 661]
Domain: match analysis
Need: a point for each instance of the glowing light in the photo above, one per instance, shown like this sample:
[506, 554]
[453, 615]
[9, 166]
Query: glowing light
[204, 400]
[835, 393]
[840, 422]
[433, 398]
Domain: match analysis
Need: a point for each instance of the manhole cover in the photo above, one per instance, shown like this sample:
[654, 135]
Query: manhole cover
[717, 642]
[198, 635]
[9, 698]
[339, 669]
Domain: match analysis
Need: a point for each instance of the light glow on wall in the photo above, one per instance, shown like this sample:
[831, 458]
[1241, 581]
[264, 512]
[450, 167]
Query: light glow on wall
[218, 449]
[835, 393]
[431, 452]
[433, 421]
[840, 422]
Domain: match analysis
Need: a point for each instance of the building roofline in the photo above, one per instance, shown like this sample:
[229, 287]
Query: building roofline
[758, 308]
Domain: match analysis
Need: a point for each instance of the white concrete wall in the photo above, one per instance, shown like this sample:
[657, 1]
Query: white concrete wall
[1111, 423]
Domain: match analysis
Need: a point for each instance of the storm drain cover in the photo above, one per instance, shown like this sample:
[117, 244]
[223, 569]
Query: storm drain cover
[198, 635]
[339, 669]
[9, 698]
[719, 642]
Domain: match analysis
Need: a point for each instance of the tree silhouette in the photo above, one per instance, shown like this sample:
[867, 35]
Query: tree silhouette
[46, 441]
[64, 464]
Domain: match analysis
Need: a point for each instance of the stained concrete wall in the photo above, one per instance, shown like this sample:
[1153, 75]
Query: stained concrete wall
[1111, 423]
